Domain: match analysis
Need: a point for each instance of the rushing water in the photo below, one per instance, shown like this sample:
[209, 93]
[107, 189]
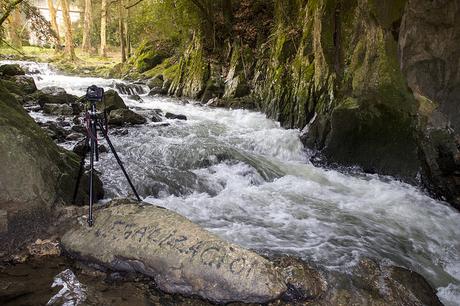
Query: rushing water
[243, 177]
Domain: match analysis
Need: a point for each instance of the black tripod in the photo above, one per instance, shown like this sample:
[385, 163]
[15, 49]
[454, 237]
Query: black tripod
[93, 122]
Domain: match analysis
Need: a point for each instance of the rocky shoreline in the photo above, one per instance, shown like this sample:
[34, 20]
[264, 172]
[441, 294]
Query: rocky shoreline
[158, 249]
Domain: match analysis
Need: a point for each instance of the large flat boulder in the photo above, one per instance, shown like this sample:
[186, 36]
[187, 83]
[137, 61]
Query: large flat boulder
[181, 256]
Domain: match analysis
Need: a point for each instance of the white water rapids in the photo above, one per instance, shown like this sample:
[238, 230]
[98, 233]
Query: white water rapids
[241, 176]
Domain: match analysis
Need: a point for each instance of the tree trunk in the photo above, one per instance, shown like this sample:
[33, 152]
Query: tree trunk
[86, 45]
[14, 27]
[122, 32]
[8, 10]
[103, 50]
[54, 24]
[127, 36]
[69, 49]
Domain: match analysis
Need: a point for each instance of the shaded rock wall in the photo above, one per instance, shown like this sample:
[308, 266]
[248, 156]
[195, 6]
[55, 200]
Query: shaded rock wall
[362, 79]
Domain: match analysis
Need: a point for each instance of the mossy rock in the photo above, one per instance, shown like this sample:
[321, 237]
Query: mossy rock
[120, 117]
[112, 101]
[11, 70]
[36, 174]
[147, 56]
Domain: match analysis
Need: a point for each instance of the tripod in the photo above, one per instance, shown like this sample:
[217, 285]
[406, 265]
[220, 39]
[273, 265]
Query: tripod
[93, 124]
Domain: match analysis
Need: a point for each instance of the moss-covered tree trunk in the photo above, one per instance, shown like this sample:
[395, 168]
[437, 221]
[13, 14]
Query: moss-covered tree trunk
[103, 47]
[121, 30]
[69, 47]
[54, 24]
[86, 45]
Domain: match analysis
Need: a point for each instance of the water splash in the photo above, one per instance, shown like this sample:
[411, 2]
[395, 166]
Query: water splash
[72, 293]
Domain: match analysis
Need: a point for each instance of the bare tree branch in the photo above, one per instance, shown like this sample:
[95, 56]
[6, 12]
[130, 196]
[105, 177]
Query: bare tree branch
[134, 4]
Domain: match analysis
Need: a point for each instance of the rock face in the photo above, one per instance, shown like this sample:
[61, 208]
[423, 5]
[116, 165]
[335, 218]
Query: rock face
[429, 43]
[370, 83]
[181, 256]
[35, 174]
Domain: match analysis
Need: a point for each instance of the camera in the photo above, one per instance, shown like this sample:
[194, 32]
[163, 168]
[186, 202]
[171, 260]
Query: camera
[94, 93]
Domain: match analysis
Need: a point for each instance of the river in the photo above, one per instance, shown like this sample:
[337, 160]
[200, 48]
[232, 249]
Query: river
[243, 177]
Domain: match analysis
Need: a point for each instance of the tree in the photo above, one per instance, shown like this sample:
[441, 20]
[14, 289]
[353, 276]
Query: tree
[86, 45]
[14, 26]
[9, 8]
[103, 48]
[121, 27]
[69, 48]
[54, 24]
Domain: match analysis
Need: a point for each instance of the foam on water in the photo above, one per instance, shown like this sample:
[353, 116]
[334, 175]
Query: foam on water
[243, 177]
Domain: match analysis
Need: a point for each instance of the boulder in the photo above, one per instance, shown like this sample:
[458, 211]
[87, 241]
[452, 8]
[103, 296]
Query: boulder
[112, 101]
[156, 82]
[11, 70]
[52, 95]
[121, 117]
[35, 174]
[25, 83]
[156, 117]
[371, 283]
[58, 109]
[180, 256]
[174, 116]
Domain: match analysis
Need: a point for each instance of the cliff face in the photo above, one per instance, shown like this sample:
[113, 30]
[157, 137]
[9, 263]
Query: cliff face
[370, 83]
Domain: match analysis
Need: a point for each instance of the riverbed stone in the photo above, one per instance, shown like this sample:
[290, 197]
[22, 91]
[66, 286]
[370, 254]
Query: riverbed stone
[121, 117]
[58, 109]
[181, 256]
[112, 101]
[11, 70]
[25, 83]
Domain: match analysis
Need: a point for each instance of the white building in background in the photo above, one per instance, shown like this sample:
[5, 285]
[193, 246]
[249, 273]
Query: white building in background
[42, 5]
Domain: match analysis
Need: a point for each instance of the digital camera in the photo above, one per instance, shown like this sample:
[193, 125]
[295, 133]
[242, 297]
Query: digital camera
[94, 93]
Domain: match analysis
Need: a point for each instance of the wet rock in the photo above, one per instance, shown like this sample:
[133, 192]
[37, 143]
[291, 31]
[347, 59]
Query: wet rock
[120, 132]
[379, 284]
[180, 256]
[112, 101]
[25, 83]
[156, 117]
[121, 117]
[174, 116]
[129, 89]
[246, 102]
[58, 109]
[102, 149]
[136, 98]
[53, 95]
[44, 248]
[156, 82]
[11, 70]
[79, 129]
[303, 281]
[74, 136]
[80, 148]
[55, 131]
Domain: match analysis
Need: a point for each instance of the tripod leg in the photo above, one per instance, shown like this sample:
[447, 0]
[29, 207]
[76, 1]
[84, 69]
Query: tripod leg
[80, 171]
[91, 170]
[104, 132]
